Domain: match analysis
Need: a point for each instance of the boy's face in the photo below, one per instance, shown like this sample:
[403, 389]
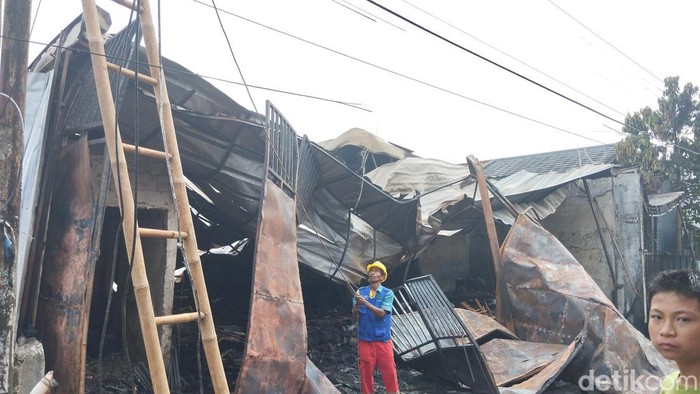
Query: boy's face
[674, 327]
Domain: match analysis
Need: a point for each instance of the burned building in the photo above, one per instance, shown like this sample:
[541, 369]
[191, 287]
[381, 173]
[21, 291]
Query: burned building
[355, 199]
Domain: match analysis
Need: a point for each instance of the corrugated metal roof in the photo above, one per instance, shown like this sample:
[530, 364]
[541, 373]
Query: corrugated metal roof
[558, 161]
[373, 206]
[664, 198]
[445, 188]
[662, 203]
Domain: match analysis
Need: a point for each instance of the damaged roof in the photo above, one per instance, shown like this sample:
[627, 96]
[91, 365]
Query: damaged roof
[558, 161]
[360, 197]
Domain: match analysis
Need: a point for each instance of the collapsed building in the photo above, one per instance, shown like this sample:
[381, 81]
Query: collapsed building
[357, 198]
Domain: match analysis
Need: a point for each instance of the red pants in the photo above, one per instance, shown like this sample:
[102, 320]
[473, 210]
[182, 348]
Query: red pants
[373, 355]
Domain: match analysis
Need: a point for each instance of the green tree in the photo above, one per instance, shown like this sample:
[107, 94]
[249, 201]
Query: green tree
[664, 143]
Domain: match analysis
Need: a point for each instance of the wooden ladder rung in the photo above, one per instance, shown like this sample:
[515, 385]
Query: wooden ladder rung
[102, 71]
[156, 233]
[127, 4]
[131, 74]
[179, 318]
[156, 154]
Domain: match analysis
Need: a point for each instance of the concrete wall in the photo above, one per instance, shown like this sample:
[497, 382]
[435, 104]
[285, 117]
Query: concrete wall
[155, 211]
[621, 203]
[575, 227]
[629, 204]
[29, 365]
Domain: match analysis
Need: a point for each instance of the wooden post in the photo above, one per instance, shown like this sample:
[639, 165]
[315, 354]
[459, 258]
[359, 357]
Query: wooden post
[488, 213]
[503, 310]
[13, 86]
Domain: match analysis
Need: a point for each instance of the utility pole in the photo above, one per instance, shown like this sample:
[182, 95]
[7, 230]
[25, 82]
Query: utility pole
[13, 88]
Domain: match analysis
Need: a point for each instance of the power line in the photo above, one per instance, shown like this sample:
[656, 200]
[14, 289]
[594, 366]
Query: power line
[606, 41]
[271, 146]
[399, 74]
[512, 71]
[353, 10]
[360, 11]
[363, 62]
[512, 57]
[208, 77]
[396, 14]
[238, 67]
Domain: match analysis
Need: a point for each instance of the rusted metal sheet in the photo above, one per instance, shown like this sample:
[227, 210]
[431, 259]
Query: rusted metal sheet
[512, 361]
[538, 382]
[552, 295]
[66, 287]
[316, 382]
[483, 327]
[275, 355]
[428, 335]
[430, 340]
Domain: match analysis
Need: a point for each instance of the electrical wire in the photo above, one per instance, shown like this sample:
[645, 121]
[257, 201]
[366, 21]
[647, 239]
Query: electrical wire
[492, 62]
[445, 90]
[353, 10]
[135, 194]
[360, 11]
[383, 69]
[410, 78]
[609, 44]
[203, 76]
[514, 58]
[134, 229]
[108, 308]
[503, 67]
[180, 242]
[276, 156]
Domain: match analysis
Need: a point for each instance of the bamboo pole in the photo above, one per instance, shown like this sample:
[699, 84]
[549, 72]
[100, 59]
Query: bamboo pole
[209, 339]
[120, 175]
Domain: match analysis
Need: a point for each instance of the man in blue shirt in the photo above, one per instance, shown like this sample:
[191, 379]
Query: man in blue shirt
[372, 305]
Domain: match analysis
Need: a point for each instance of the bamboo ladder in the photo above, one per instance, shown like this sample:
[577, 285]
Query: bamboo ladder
[117, 149]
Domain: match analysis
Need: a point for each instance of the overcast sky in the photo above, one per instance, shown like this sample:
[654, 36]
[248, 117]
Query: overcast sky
[418, 91]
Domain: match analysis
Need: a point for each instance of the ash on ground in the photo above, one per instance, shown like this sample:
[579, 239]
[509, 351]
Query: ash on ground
[331, 340]
[332, 347]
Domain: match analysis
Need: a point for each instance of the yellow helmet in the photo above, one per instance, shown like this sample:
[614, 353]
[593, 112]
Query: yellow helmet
[378, 264]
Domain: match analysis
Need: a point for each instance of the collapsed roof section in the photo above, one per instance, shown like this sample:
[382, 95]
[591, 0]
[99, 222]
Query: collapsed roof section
[360, 197]
[221, 143]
